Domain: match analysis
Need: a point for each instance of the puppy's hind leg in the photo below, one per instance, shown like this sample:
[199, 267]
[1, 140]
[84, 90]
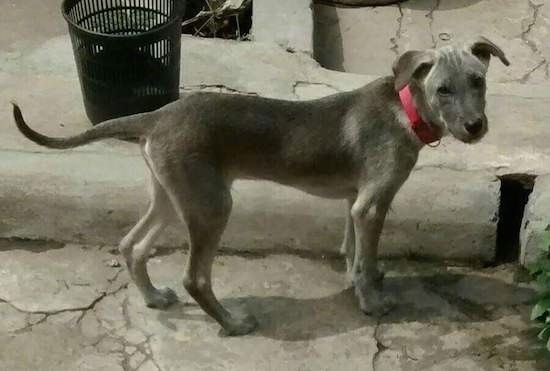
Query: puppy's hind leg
[202, 199]
[135, 247]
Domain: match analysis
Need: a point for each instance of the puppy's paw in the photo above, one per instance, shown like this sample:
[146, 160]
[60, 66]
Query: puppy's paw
[240, 326]
[372, 301]
[376, 306]
[162, 299]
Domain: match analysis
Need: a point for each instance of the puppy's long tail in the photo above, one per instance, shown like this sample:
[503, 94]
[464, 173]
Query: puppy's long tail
[128, 127]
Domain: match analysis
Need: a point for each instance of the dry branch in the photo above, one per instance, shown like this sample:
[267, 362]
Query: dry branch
[219, 10]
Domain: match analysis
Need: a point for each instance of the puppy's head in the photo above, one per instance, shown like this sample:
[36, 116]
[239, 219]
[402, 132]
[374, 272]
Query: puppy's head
[448, 85]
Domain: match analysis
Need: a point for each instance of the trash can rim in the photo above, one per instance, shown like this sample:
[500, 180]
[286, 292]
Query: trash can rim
[178, 13]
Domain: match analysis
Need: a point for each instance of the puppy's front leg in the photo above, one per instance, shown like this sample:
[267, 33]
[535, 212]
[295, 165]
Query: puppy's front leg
[368, 214]
[348, 244]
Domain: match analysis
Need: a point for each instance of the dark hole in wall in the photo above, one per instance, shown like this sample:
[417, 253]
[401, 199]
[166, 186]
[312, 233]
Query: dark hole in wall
[514, 194]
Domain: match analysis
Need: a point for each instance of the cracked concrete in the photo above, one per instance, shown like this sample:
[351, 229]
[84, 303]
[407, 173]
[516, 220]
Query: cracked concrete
[367, 40]
[313, 89]
[217, 88]
[64, 300]
[431, 18]
[446, 317]
[527, 25]
[535, 31]
[394, 40]
[532, 20]
[380, 347]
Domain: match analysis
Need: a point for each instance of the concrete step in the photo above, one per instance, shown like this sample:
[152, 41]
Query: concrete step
[95, 198]
[535, 227]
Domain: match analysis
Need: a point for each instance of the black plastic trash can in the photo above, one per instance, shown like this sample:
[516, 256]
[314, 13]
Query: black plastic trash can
[127, 54]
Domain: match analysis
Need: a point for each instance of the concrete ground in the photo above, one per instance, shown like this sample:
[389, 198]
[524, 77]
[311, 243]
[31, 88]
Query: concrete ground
[70, 307]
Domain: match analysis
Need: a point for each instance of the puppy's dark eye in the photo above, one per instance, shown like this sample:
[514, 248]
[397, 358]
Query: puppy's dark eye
[444, 91]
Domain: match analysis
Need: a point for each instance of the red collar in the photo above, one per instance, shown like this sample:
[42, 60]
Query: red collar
[426, 133]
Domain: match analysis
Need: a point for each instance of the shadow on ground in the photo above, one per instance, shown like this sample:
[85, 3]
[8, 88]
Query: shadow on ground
[438, 5]
[424, 299]
[428, 5]
[35, 246]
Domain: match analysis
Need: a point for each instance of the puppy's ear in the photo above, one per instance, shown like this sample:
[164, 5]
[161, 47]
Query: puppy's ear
[483, 49]
[412, 64]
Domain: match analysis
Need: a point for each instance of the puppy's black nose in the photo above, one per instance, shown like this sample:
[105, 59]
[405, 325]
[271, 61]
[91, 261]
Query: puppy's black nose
[474, 127]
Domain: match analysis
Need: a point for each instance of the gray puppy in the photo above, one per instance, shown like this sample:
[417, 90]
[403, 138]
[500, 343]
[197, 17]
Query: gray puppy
[359, 146]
